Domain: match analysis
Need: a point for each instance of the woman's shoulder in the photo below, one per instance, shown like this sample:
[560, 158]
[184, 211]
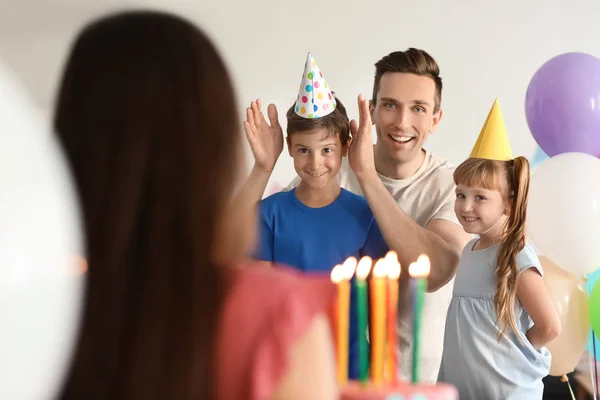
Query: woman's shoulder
[254, 276]
[266, 310]
[260, 291]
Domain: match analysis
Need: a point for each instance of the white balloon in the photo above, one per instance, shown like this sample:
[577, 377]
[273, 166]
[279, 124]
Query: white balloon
[41, 281]
[564, 211]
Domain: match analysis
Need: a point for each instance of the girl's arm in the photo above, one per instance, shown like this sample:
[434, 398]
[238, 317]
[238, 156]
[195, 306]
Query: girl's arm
[533, 295]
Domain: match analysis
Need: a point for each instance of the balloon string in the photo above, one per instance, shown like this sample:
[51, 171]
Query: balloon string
[565, 378]
[592, 373]
[594, 367]
[596, 394]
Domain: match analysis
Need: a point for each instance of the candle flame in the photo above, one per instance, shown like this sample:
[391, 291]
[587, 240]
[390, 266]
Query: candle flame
[380, 269]
[337, 274]
[413, 269]
[391, 256]
[364, 267]
[349, 266]
[420, 268]
[394, 270]
[423, 259]
[393, 265]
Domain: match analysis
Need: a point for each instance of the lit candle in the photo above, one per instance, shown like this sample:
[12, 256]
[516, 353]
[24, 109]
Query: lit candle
[349, 268]
[362, 272]
[341, 275]
[393, 275]
[341, 314]
[378, 297]
[419, 271]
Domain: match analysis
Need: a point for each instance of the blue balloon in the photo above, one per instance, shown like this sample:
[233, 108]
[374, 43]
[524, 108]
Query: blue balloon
[538, 157]
[589, 285]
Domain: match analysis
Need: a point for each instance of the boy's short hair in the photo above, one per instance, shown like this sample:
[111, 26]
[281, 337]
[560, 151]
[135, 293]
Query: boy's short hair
[336, 123]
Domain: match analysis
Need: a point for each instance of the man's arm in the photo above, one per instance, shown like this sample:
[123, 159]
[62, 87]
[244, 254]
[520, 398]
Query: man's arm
[456, 238]
[442, 241]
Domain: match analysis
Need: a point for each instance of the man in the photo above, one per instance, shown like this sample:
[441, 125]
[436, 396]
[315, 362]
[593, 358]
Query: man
[409, 189]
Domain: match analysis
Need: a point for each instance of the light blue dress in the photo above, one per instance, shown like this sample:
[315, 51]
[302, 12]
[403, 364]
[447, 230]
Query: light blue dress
[473, 360]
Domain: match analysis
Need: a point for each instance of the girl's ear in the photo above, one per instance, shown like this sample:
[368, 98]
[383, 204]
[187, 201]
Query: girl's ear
[509, 206]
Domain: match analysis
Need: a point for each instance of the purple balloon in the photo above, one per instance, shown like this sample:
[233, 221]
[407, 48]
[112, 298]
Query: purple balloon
[562, 105]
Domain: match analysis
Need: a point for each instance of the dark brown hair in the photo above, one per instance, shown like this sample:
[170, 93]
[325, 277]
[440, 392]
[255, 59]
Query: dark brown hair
[511, 178]
[146, 114]
[336, 123]
[412, 61]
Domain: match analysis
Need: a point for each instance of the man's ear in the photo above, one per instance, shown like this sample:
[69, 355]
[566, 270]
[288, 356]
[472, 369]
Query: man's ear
[372, 110]
[437, 117]
[345, 148]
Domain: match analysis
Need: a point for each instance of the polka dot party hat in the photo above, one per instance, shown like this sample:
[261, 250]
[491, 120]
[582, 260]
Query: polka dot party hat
[315, 100]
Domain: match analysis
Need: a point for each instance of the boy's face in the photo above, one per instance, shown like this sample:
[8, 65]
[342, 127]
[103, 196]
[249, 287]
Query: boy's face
[403, 114]
[317, 157]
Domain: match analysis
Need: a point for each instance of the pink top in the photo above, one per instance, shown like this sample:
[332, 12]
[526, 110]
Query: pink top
[266, 311]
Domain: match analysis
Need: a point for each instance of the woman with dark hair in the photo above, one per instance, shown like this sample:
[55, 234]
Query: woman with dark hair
[146, 114]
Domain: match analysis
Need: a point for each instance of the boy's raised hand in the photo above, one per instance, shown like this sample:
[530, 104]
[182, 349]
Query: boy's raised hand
[265, 138]
[360, 152]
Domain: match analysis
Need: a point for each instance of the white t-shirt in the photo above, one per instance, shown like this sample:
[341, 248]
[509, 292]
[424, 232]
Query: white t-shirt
[425, 196]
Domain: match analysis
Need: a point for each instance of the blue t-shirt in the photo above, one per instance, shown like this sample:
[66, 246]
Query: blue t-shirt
[316, 239]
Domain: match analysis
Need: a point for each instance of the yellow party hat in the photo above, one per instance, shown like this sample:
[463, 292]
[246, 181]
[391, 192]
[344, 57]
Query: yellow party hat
[492, 143]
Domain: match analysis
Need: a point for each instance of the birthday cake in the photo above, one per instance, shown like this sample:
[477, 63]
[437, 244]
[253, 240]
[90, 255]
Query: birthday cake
[398, 391]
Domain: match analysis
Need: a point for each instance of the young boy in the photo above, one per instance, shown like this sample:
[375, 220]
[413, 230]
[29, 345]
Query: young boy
[318, 224]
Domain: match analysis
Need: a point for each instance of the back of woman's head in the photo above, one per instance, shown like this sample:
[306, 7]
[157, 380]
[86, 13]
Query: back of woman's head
[511, 179]
[146, 114]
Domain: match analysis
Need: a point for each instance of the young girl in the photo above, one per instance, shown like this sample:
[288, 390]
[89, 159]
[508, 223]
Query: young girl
[501, 315]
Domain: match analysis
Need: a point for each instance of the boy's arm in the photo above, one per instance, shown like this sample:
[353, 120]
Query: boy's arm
[266, 143]
[253, 188]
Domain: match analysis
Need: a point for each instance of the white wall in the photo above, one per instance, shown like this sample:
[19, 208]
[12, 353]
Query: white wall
[485, 49]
